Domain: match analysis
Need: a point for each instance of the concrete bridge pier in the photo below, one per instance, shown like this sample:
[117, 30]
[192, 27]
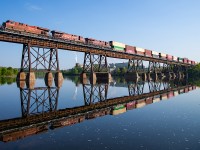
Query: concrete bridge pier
[21, 76]
[93, 78]
[30, 76]
[58, 76]
[48, 79]
[83, 77]
[30, 84]
[21, 83]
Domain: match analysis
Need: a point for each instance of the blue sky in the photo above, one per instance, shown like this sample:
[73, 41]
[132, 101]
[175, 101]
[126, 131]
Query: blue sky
[168, 26]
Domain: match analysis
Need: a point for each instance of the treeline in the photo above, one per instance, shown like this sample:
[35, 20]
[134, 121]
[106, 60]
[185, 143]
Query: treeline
[4, 80]
[8, 72]
[119, 71]
[74, 71]
[194, 72]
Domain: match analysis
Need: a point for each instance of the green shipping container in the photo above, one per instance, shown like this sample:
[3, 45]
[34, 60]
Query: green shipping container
[118, 107]
[118, 48]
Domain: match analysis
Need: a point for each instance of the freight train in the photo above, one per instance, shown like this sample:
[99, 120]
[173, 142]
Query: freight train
[22, 28]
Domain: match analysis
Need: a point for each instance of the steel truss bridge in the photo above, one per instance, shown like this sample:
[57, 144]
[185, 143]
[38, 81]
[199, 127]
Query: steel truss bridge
[39, 105]
[43, 51]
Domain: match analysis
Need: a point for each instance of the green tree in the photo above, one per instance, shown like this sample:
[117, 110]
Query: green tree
[15, 71]
[123, 70]
[118, 71]
[3, 71]
[75, 71]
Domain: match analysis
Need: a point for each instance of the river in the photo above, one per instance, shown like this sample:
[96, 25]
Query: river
[117, 115]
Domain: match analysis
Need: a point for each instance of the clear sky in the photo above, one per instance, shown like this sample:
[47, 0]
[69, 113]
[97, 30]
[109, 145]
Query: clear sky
[168, 26]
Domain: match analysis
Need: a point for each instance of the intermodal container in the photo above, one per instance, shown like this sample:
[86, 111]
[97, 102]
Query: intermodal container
[155, 53]
[117, 48]
[131, 105]
[113, 43]
[149, 100]
[180, 59]
[186, 90]
[138, 49]
[155, 56]
[140, 53]
[148, 53]
[176, 93]
[130, 49]
[140, 103]
[181, 91]
[193, 62]
[118, 111]
[185, 60]
[189, 62]
[156, 98]
[162, 55]
[170, 94]
[190, 88]
[164, 96]
[169, 57]
[175, 58]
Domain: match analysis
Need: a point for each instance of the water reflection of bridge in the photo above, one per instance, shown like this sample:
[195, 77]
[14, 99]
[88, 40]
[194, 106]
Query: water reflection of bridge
[39, 106]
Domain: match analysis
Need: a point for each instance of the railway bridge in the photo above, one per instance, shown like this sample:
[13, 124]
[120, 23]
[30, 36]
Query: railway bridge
[43, 51]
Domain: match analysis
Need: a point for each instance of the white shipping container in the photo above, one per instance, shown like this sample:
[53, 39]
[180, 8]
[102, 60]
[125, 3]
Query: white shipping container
[140, 49]
[164, 97]
[118, 44]
[155, 100]
[139, 105]
[163, 55]
[176, 93]
[155, 53]
[181, 91]
[175, 58]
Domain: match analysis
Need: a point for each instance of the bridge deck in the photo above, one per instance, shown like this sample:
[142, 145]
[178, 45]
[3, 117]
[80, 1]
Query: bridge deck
[72, 46]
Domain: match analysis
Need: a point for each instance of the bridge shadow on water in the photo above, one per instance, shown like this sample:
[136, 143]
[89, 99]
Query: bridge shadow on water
[39, 111]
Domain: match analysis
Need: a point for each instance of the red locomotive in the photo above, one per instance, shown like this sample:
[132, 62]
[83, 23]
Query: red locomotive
[66, 36]
[24, 28]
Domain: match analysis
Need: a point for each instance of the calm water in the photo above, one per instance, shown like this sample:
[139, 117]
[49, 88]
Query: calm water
[169, 121]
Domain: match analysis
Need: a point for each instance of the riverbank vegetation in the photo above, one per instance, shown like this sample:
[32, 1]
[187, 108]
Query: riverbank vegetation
[194, 72]
[74, 71]
[8, 72]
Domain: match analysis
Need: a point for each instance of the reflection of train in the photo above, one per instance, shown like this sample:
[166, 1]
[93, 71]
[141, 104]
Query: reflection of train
[80, 118]
[121, 108]
[12, 136]
[39, 31]
[67, 121]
